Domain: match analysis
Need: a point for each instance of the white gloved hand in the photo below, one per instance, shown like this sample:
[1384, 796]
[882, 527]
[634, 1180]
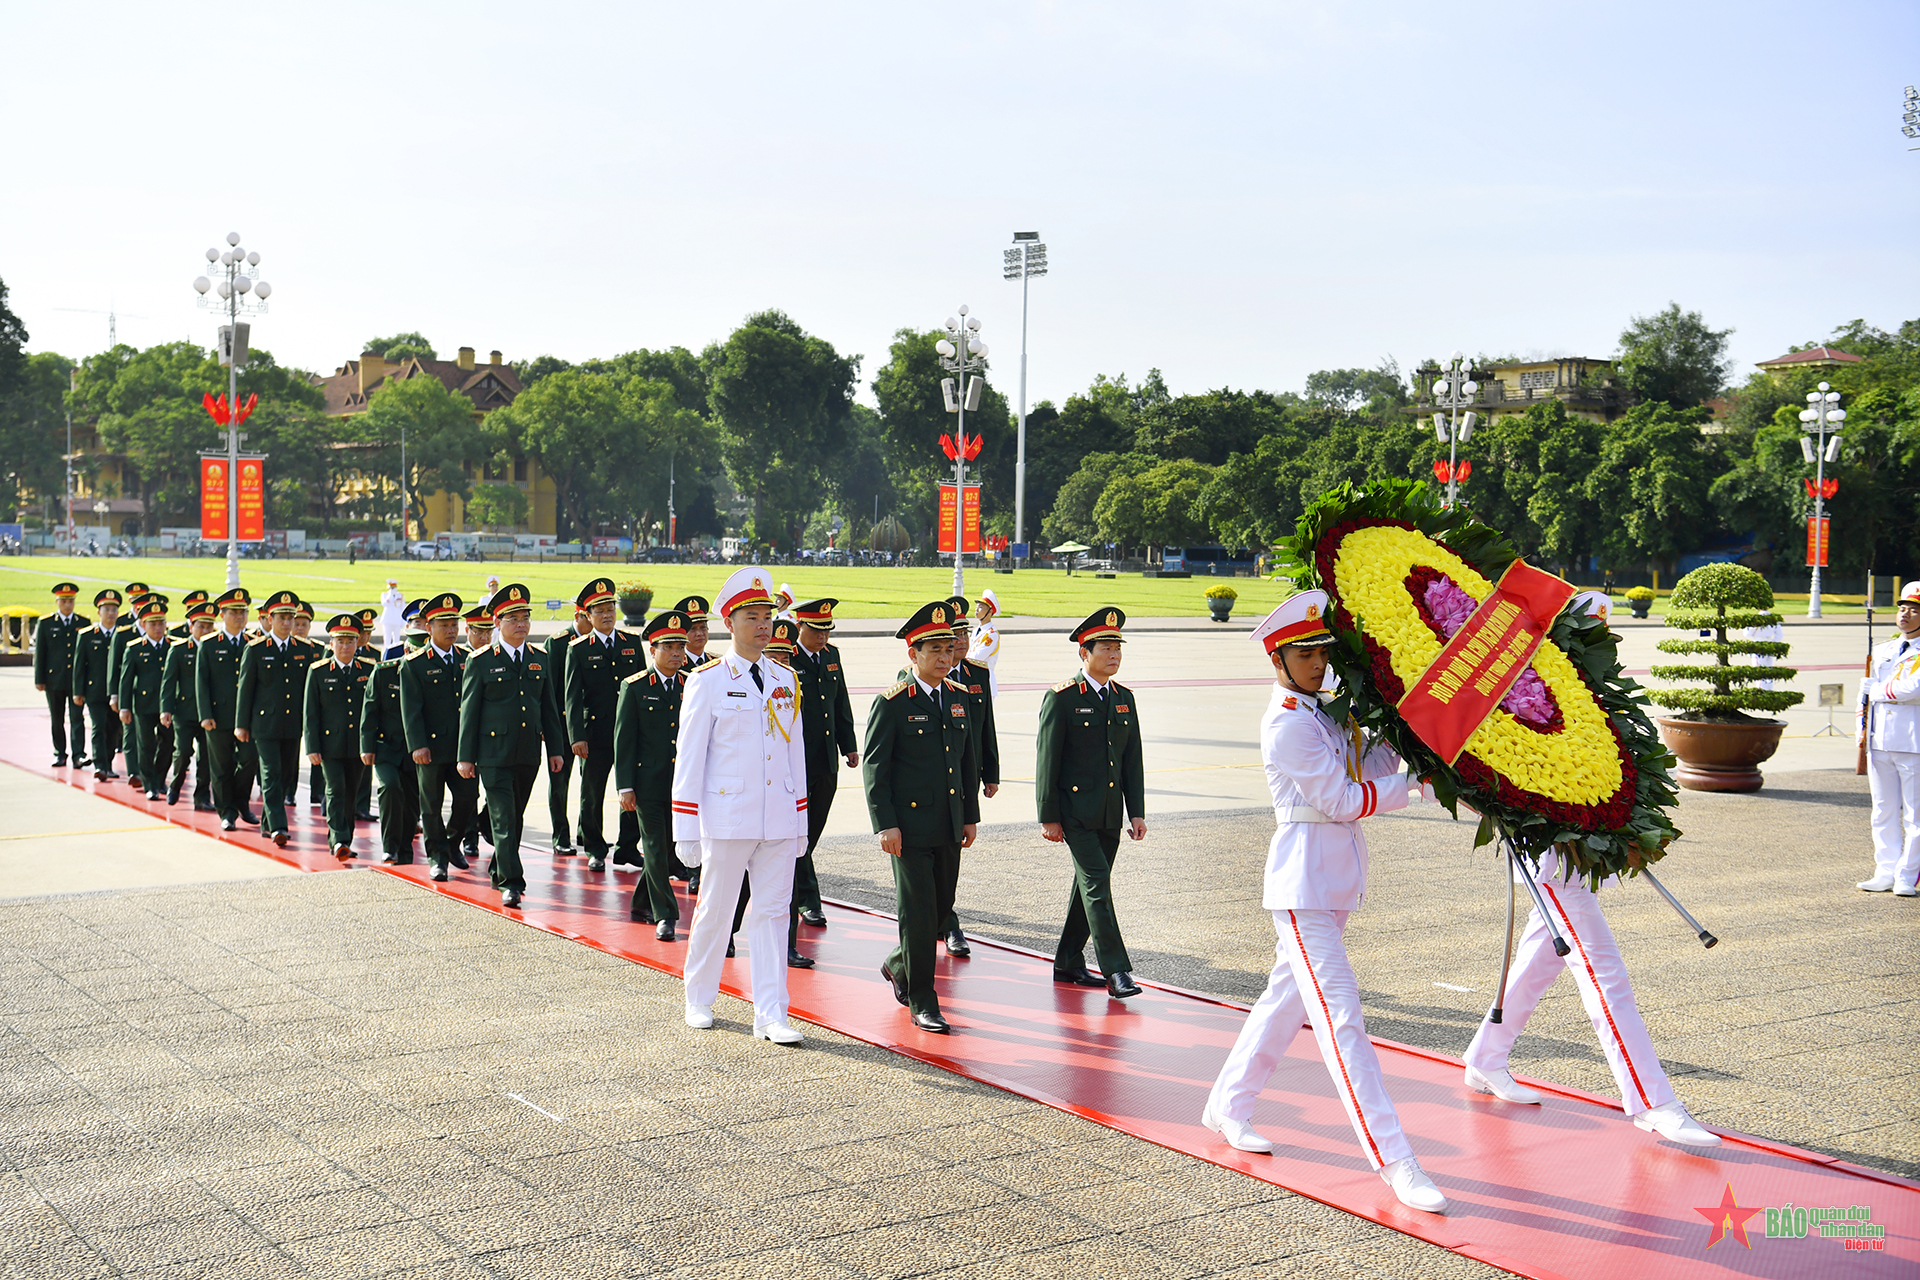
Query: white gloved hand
[688, 851]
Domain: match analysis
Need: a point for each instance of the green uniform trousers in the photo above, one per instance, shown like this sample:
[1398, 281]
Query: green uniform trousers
[433, 782]
[152, 744]
[399, 790]
[189, 740]
[279, 777]
[591, 826]
[343, 775]
[105, 722]
[508, 788]
[653, 891]
[1090, 907]
[557, 801]
[233, 768]
[925, 878]
[66, 719]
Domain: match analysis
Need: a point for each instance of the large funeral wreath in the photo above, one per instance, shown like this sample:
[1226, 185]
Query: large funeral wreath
[1568, 759]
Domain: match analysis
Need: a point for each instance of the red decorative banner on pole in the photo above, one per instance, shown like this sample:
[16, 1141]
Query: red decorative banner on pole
[1461, 687]
[1817, 533]
[959, 518]
[252, 504]
[213, 497]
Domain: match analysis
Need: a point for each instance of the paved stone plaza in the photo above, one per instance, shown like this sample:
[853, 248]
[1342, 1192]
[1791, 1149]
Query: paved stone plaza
[338, 1075]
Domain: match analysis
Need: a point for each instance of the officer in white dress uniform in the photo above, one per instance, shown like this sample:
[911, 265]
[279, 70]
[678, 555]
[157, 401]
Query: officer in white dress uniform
[1322, 785]
[1890, 721]
[1605, 990]
[984, 645]
[740, 806]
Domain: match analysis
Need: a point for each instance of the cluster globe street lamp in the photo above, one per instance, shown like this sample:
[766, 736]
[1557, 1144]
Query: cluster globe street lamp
[1454, 391]
[962, 354]
[1823, 408]
[236, 275]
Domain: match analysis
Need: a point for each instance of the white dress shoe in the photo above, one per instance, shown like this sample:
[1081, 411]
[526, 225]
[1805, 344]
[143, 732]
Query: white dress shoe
[1503, 1086]
[1413, 1186]
[1240, 1135]
[779, 1033]
[700, 1016]
[1671, 1121]
[1879, 884]
[1906, 891]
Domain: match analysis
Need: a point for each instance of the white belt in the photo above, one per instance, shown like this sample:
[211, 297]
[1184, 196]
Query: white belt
[1300, 813]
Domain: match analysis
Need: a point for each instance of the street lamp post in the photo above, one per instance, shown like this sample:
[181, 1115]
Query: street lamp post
[1823, 407]
[962, 354]
[1027, 259]
[236, 275]
[1454, 391]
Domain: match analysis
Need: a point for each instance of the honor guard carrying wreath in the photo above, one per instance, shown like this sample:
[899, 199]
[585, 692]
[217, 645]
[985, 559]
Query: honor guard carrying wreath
[740, 805]
[53, 640]
[336, 693]
[509, 727]
[597, 661]
[1890, 728]
[646, 735]
[429, 680]
[1088, 780]
[923, 795]
[1323, 780]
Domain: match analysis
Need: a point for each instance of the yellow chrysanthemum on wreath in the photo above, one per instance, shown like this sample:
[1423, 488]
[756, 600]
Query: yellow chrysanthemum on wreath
[1579, 765]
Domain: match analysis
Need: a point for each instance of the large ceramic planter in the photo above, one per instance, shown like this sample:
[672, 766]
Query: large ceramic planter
[633, 611]
[1219, 607]
[1721, 757]
[1640, 607]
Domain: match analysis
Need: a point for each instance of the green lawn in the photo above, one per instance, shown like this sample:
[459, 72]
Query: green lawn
[332, 585]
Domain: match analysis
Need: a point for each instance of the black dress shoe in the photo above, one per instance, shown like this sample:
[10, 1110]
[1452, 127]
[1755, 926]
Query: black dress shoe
[596, 863]
[509, 897]
[663, 932]
[817, 919]
[471, 847]
[403, 859]
[797, 961]
[1078, 977]
[246, 816]
[957, 944]
[203, 806]
[59, 762]
[438, 873]
[931, 1022]
[363, 817]
[173, 794]
[899, 985]
[626, 857]
[693, 884]
[561, 849]
[280, 839]
[228, 824]
[729, 950]
[155, 797]
[81, 762]
[107, 775]
[1120, 985]
[639, 915]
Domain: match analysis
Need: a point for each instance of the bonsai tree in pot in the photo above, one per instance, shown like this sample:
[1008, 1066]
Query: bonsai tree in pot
[1220, 598]
[1640, 599]
[1721, 746]
[634, 597]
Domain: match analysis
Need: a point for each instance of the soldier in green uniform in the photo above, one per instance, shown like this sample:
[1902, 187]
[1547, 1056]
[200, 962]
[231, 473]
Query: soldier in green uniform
[268, 709]
[365, 619]
[978, 680]
[696, 608]
[646, 730]
[597, 661]
[143, 666]
[478, 635]
[53, 639]
[92, 655]
[180, 709]
[1088, 771]
[336, 692]
[507, 713]
[185, 627]
[430, 711]
[923, 795]
[216, 694]
[125, 631]
[557, 646]
[826, 715]
[383, 749]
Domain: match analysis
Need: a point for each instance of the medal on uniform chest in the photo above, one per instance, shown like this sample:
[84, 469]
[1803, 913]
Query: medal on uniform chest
[783, 711]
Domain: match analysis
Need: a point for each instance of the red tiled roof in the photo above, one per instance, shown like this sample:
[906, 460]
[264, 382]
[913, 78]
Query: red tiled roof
[1811, 354]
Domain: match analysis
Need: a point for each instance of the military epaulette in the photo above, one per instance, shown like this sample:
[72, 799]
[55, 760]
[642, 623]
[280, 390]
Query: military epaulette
[257, 640]
[363, 660]
[181, 640]
[898, 689]
[1065, 685]
[778, 661]
[581, 639]
[412, 653]
[315, 666]
[955, 685]
[712, 664]
[638, 675]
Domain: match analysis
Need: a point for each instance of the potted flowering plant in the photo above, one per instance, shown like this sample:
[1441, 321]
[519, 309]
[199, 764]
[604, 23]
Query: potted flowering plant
[1220, 598]
[634, 597]
[1720, 746]
[1640, 599]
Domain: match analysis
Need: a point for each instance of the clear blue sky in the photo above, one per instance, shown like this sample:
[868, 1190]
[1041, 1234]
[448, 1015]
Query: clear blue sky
[1236, 193]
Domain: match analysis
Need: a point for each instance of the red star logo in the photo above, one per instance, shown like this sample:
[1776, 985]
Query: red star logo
[1726, 1216]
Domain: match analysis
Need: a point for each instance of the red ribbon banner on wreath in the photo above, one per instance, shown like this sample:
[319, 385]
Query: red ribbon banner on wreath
[1462, 686]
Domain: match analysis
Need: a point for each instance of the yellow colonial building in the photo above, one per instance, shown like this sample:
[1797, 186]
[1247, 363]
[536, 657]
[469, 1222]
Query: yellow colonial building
[488, 386]
[1587, 387]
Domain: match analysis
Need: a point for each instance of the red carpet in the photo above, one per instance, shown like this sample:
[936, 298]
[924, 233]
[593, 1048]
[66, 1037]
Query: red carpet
[1569, 1189]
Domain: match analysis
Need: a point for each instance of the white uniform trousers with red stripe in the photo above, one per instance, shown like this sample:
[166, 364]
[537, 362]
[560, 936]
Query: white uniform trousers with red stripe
[1594, 960]
[723, 862]
[1313, 982]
